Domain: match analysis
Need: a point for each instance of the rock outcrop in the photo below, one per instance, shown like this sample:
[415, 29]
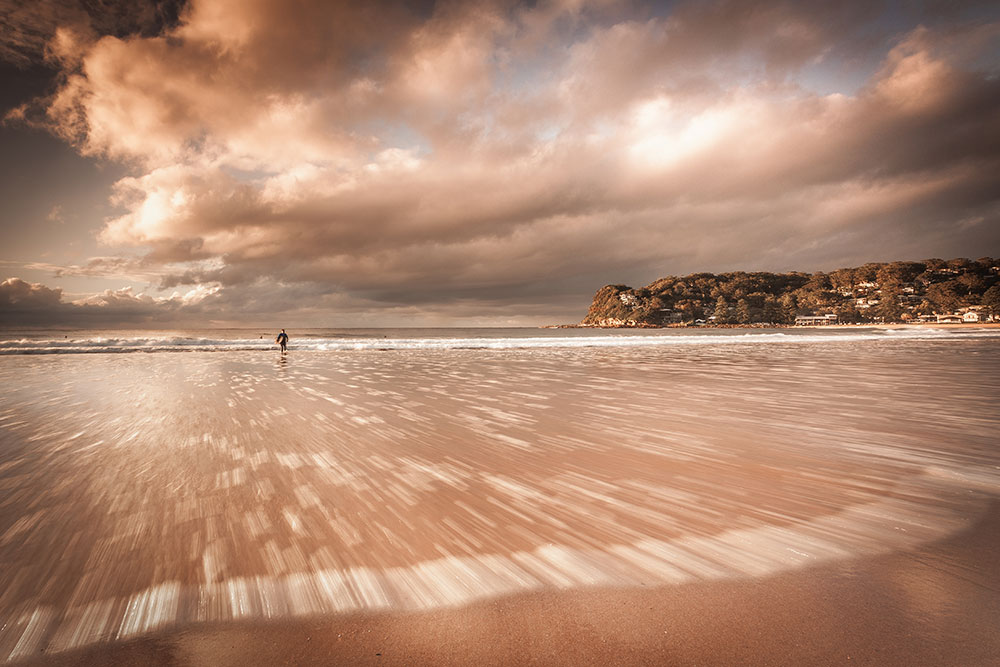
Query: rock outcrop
[620, 306]
[877, 292]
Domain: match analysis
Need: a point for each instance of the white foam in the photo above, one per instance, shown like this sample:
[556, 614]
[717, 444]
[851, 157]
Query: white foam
[589, 339]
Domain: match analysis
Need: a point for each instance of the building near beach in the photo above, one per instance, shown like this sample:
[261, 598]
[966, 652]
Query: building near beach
[813, 320]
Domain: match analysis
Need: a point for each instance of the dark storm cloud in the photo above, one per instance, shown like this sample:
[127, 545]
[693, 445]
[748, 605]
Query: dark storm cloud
[28, 26]
[24, 304]
[17, 294]
[518, 157]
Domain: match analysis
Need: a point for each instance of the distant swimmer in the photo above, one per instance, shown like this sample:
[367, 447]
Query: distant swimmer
[282, 340]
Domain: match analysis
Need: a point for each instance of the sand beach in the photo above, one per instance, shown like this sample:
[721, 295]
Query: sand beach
[668, 498]
[917, 608]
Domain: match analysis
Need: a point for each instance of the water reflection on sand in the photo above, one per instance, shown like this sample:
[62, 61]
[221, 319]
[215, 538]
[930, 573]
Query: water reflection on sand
[144, 491]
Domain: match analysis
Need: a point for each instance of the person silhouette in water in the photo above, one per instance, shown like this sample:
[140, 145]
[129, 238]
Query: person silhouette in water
[282, 340]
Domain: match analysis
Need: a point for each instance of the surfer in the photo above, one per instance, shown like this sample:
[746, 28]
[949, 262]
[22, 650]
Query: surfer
[282, 340]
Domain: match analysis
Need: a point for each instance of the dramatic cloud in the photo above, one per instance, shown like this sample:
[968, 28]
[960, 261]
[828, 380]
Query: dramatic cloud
[24, 304]
[494, 160]
[27, 305]
[15, 294]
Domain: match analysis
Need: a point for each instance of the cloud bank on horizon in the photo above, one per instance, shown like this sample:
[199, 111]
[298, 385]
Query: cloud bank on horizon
[498, 162]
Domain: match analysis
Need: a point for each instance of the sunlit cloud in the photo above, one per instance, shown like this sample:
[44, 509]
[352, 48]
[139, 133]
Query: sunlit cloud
[392, 157]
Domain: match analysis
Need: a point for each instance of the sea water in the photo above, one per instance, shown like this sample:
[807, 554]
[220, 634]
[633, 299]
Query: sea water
[72, 341]
[204, 476]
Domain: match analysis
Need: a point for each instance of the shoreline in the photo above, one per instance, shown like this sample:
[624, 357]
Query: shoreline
[872, 325]
[900, 325]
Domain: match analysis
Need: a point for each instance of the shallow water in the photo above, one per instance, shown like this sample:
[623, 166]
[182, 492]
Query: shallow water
[145, 491]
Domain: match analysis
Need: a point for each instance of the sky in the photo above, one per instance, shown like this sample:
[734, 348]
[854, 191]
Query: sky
[305, 163]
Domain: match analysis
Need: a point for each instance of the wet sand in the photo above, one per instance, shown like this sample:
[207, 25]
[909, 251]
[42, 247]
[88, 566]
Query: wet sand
[937, 605]
[753, 500]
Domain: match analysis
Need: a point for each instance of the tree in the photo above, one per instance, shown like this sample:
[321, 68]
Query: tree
[866, 273]
[848, 313]
[991, 300]
[888, 307]
[898, 272]
[819, 282]
[721, 311]
[842, 279]
[970, 283]
[943, 296]
[772, 310]
[743, 315]
[789, 308]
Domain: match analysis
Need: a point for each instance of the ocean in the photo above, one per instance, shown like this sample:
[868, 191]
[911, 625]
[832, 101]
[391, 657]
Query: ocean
[73, 341]
[152, 481]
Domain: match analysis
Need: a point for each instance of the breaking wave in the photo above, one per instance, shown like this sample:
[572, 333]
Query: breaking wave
[590, 339]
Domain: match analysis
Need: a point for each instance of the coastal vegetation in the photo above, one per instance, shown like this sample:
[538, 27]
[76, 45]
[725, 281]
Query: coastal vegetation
[876, 292]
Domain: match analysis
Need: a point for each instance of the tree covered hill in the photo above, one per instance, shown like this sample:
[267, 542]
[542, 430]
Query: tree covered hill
[876, 292]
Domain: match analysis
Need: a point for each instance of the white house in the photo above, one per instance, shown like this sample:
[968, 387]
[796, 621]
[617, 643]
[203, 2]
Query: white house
[812, 320]
[628, 299]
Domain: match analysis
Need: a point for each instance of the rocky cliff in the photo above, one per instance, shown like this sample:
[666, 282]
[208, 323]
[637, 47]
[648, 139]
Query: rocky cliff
[621, 306]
